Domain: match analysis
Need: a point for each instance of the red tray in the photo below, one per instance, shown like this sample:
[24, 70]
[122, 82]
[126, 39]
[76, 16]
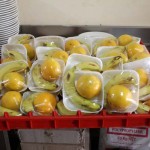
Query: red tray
[101, 120]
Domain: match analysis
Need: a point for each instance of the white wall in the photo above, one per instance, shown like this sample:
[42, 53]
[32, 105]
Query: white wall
[85, 12]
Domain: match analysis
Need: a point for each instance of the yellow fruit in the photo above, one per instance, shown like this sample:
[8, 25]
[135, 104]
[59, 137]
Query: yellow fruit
[14, 81]
[134, 48]
[143, 76]
[88, 86]
[60, 54]
[45, 103]
[139, 56]
[8, 59]
[119, 98]
[11, 100]
[71, 43]
[108, 42]
[78, 50]
[124, 39]
[50, 69]
[30, 51]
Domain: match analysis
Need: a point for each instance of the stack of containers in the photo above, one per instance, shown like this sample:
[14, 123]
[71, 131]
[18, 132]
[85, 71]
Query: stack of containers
[9, 22]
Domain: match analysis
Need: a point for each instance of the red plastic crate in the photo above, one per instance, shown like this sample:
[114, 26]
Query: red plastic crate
[101, 120]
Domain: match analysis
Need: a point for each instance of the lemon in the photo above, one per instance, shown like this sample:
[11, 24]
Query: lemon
[119, 98]
[71, 43]
[11, 100]
[134, 48]
[45, 103]
[14, 81]
[143, 76]
[88, 86]
[30, 51]
[78, 50]
[124, 39]
[50, 69]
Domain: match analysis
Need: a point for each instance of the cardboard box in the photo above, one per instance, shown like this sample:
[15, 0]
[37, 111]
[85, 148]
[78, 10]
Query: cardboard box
[35, 146]
[59, 136]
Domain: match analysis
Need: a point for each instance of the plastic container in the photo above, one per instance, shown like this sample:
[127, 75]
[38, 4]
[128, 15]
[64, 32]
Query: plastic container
[97, 40]
[95, 34]
[54, 41]
[103, 49]
[33, 87]
[27, 104]
[141, 64]
[131, 100]
[14, 39]
[73, 60]
[14, 68]
[41, 51]
[15, 47]
[85, 43]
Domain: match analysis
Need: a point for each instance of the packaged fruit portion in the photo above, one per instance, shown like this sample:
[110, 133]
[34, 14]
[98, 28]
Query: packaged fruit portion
[121, 90]
[83, 85]
[51, 52]
[27, 40]
[142, 67]
[98, 42]
[125, 39]
[134, 48]
[46, 75]
[13, 52]
[78, 45]
[41, 103]
[112, 51]
[10, 103]
[12, 76]
[49, 41]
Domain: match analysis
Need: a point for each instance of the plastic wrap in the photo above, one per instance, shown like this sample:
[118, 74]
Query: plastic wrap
[100, 41]
[13, 52]
[84, 42]
[38, 84]
[121, 90]
[75, 60]
[50, 41]
[143, 67]
[27, 40]
[40, 103]
[54, 52]
[13, 76]
[10, 103]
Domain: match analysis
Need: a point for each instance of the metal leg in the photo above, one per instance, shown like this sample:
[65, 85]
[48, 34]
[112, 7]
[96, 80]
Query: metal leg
[4, 141]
